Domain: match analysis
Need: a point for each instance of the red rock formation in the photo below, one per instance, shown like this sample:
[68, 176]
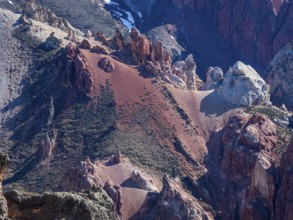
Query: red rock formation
[76, 64]
[140, 46]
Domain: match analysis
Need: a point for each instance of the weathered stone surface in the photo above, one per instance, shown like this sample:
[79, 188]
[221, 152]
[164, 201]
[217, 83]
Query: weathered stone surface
[243, 86]
[280, 77]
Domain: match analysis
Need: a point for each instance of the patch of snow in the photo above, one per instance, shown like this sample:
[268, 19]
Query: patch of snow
[107, 1]
[10, 2]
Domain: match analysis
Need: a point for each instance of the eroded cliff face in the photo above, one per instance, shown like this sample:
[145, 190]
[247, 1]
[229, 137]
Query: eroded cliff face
[259, 29]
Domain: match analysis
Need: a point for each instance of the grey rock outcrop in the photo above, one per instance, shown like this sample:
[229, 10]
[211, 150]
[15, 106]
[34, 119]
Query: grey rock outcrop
[242, 86]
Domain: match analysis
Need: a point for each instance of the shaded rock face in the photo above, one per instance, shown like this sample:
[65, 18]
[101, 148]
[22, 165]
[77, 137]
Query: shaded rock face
[172, 203]
[84, 176]
[242, 86]
[77, 65]
[280, 77]
[284, 200]
[259, 29]
[61, 205]
[214, 76]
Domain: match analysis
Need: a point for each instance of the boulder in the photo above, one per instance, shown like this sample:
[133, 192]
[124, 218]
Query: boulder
[242, 86]
[106, 64]
[140, 47]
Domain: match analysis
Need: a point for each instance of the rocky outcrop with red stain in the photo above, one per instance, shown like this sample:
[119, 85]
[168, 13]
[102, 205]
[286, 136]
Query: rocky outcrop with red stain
[172, 203]
[83, 176]
[85, 44]
[77, 65]
[280, 77]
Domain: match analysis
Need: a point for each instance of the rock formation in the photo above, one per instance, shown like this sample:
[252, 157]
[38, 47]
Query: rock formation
[106, 64]
[142, 182]
[242, 86]
[280, 77]
[39, 13]
[85, 44]
[77, 65]
[172, 203]
[214, 77]
[140, 47]
[83, 176]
